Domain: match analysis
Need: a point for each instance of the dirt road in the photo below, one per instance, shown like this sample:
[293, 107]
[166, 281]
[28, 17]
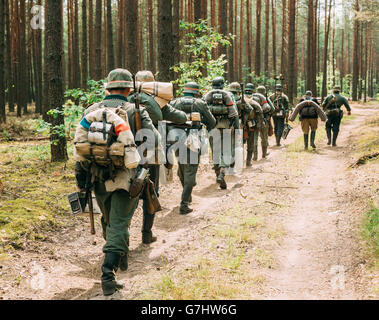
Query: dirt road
[314, 258]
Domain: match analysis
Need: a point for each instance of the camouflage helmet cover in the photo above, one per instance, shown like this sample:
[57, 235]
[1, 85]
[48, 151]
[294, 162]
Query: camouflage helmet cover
[279, 87]
[337, 89]
[119, 79]
[218, 83]
[249, 87]
[145, 76]
[235, 87]
[309, 93]
[192, 88]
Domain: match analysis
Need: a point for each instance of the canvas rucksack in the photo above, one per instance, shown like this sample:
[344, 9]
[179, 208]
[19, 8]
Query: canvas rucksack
[104, 138]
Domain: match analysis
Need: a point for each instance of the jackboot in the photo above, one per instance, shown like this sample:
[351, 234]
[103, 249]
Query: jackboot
[313, 138]
[255, 153]
[335, 136]
[278, 141]
[185, 209]
[124, 262]
[109, 269]
[306, 139]
[248, 159]
[329, 135]
[186, 200]
[221, 179]
[147, 234]
[265, 153]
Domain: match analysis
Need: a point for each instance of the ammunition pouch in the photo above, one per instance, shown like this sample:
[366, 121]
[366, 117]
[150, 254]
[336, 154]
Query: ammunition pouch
[78, 202]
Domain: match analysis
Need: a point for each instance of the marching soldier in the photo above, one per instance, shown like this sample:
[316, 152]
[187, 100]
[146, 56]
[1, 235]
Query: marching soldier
[251, 115]
[309, 96]
[267, 110]
[309, 111]
[332, 107]
[225, 111]
[156, 114]
[117, 206]
[280, 116]
[191, 103]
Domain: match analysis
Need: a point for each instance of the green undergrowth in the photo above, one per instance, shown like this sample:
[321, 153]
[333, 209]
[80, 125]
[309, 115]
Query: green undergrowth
[238, 248]
[33, 192]
[371, 230]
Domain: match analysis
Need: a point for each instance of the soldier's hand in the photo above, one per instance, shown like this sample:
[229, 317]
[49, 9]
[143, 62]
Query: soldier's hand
[349, 113]
[82, 190]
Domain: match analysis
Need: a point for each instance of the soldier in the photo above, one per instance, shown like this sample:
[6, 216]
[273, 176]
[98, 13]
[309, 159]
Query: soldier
[309, 112]
[267, 109]
[117, 206]
[309, 96]
[191, 103]
[332, 107]
[280, 116]
[251, 115]
[156, 114]
[225, 111]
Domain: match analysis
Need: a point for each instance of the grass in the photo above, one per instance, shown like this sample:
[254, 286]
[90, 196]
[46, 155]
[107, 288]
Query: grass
[33, 193]
[371, 230]
[229, 269]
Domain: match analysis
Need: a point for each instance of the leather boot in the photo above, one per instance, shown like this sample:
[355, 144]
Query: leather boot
[185, 209]
[306, 139]
[109, 269]
[278, 141]
[147, 234]
[248, 159]
[329, 135]
[313, 138]
[186, 199]
[221, 179]
[124, 262]
[265, 153]
[335, 136]
[255, 153]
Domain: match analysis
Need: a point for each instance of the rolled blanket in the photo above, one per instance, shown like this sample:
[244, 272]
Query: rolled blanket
[306, 103]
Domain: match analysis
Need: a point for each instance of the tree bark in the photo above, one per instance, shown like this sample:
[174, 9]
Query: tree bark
[110, 45]
[273, 6]
[258, 39]
[97, 58]
[53, 34]
[326, 43]
[267, 34]
[131, 16]
[165, 44]
[84, 45]
[355, 54]
[292, 79]
[3, 117]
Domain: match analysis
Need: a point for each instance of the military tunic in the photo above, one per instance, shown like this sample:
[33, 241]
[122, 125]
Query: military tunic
[334, 120]
[223, 158]
[186, 171]
[281, 104]
[117, 207]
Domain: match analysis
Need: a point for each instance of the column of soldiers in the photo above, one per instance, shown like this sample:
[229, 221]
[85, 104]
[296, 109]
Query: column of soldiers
[223, 113]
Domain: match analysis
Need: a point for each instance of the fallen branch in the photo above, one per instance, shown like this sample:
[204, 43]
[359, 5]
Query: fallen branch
[274, 203]
[362, 160]
[280, 187]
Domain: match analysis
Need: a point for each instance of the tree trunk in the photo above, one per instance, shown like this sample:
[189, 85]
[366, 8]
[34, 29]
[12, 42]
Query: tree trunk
[283, 67]
[97, 58]
[310, 44]
[76, 54]
[231, 48]
[91, 44]
[10, 72]
[291, 80]
[165, 44]
[267, 34]
[84, 45]
[152, 38]
[2, 64]
[355, 55]
[258, 39]
[53, 34]
[23, 80]
[132, 61]
[110, 46]
[326, 43]
[273, 5]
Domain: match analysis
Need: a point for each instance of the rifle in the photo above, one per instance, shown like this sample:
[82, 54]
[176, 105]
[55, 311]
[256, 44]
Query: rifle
[89, 199]
[137, 104]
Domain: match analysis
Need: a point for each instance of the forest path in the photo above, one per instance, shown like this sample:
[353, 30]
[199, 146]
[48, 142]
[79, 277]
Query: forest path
[318, 252]
[318, 241]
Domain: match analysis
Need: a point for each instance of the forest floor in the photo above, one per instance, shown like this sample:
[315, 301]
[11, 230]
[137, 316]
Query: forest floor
[300, 225]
